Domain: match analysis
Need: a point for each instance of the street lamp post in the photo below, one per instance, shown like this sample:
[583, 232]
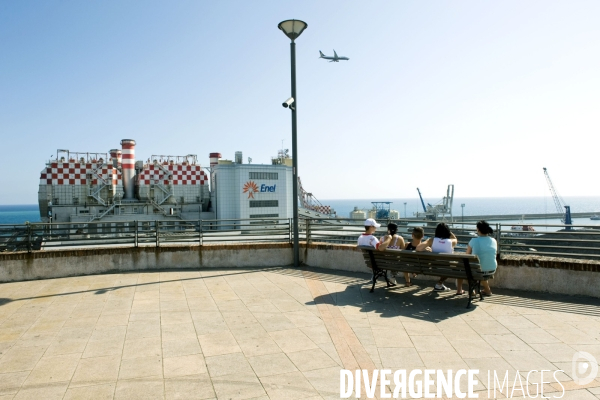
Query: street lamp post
[462, 214]
[292, 28]
[405, 216]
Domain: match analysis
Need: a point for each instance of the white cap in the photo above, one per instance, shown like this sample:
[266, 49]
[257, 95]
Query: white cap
[372, 222]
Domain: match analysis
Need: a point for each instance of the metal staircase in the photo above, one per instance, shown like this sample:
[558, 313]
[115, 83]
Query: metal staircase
[168, 193]
[114, 203]
[158, 207]
[102, 183]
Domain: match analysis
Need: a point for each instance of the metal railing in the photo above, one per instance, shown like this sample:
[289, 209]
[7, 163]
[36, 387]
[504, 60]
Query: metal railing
[579, 241]
[576, 241]
[48, 236]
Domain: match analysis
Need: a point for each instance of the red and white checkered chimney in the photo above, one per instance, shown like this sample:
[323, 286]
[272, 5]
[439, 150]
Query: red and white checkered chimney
[128, 167]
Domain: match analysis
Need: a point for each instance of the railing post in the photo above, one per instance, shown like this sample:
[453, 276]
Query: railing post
[29, 238]
[157, 233]
[200, 231]
[307, 231]
[135, 226]
[290, 222]
[498, 237]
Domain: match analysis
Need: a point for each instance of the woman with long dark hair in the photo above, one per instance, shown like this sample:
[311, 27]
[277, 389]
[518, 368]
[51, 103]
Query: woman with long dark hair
[485, 247]
[443, 241]
[396, 242]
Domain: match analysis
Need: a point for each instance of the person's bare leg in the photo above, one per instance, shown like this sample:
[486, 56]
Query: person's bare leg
[459, 289]
[486, 287]
[407, 279]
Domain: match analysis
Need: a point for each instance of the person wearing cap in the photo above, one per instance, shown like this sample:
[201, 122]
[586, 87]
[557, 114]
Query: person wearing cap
[367, 238]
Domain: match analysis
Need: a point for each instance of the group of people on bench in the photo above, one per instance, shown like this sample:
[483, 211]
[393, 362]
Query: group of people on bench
[443, 241]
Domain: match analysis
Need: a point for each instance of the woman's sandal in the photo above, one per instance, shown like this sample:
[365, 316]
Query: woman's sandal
[408, 284]
[460, 293]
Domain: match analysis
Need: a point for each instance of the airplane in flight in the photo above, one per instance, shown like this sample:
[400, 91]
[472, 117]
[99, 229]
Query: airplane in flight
[335, 57]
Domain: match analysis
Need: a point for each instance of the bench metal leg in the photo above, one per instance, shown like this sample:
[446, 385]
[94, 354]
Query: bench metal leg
[380, 273]
[472, 286]
[385, 274]
[374, 280]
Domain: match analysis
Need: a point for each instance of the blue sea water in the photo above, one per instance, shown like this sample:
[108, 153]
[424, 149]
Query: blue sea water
[19, 214]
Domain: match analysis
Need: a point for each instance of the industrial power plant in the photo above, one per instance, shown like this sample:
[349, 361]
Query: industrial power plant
[82, 187]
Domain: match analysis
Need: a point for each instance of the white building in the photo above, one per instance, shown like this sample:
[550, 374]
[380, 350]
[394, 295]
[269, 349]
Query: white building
[251, 191]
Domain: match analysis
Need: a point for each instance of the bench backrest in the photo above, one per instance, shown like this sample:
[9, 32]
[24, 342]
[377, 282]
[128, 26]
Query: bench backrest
[454, 265]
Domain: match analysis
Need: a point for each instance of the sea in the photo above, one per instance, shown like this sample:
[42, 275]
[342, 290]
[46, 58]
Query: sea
[19, 214]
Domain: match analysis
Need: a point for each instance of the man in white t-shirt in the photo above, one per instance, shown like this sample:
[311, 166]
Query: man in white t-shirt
[367, 238]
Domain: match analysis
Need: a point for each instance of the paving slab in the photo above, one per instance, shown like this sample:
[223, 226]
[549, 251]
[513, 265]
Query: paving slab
[274, 333]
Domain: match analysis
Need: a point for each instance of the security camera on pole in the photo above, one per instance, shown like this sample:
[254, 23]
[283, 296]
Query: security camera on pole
[292, 29]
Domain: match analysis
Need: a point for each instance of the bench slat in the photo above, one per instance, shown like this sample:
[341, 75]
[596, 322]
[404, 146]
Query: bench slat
[409, 253]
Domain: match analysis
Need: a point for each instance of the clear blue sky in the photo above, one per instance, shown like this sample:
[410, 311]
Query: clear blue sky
[481, 94]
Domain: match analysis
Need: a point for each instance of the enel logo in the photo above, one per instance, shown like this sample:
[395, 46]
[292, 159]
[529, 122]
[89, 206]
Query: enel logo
[265, 188]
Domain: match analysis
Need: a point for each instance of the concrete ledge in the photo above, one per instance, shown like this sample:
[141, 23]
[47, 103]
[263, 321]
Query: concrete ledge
[24, 266]
[542, 274]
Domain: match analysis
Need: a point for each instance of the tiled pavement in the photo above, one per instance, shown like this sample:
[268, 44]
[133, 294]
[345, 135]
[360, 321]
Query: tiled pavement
[270, 333]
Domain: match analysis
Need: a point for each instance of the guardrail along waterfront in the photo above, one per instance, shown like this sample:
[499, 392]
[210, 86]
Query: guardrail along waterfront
[576, 241]
[48, 236]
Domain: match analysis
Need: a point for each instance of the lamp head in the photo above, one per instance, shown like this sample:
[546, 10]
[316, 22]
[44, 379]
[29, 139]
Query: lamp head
[292, 28]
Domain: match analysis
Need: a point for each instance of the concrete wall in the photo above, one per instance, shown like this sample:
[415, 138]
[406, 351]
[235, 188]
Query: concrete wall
[543, 274]
[57, 264]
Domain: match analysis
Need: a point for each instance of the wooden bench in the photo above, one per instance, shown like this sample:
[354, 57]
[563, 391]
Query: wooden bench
[457, 265]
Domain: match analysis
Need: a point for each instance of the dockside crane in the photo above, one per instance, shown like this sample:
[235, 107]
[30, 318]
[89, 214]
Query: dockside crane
[559, 203]
[422, 202]
[445, 209]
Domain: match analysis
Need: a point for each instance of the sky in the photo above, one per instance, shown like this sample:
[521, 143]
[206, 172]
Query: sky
[479, 94]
